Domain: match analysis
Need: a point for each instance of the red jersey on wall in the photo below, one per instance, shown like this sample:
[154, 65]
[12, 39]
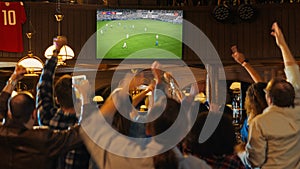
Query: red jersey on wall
[12, 16]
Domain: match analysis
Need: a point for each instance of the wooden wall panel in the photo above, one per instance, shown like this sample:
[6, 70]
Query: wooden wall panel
[297, 29]
[128, 2]
[149, 2]
[252, 38]
[292, 39]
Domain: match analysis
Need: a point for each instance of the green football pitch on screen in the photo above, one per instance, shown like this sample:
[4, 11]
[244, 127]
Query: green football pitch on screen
[139, 39]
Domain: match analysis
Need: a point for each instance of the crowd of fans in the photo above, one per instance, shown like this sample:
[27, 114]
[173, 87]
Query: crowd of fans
[114, 135]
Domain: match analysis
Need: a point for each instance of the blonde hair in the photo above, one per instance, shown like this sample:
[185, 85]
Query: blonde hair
[255, 101]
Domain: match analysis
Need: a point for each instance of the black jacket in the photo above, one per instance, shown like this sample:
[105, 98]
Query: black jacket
[22, 148]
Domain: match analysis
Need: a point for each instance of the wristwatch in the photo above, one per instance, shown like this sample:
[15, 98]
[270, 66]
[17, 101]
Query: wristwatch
[245, 62]
[12, 82]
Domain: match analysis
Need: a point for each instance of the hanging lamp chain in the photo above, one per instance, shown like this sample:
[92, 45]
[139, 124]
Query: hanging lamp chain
[58, 6]
[59, 17]
[29, 33]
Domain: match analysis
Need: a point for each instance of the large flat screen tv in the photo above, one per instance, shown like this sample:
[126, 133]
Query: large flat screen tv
[139, 34]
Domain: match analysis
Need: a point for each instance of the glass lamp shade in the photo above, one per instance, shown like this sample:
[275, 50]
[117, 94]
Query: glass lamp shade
[31, 63]
[200, 97]
[65, 52]
[98, 99]
[235, 86]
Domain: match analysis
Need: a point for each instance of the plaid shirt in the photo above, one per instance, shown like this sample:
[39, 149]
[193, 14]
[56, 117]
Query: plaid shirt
[55, 118]
[224, 162]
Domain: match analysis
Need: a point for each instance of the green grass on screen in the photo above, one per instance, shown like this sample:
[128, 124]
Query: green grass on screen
[140, 37]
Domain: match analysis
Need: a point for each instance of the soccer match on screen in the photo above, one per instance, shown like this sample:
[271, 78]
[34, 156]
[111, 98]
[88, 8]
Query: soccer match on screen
[139, 34]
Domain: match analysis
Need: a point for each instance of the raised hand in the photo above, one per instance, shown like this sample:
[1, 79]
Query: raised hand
[19, 73]
[277, 33]
[59, 42]
[287, 55]
[84, 90]
[238, 57]
[155, 67]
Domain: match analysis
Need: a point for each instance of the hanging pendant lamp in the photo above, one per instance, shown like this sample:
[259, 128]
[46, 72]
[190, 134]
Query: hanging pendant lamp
[66, 52]
[32, 63]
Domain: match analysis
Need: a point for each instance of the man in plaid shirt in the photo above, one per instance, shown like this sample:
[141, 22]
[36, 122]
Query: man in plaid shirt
[63, 117]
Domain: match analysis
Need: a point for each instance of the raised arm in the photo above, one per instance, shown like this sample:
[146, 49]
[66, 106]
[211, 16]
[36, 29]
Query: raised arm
[45, 95]
[159, 90]
[291, 67]
[17, 75]
[139, 97]
[287, 56]
[6, 92]
[240, 58]
[118, 100]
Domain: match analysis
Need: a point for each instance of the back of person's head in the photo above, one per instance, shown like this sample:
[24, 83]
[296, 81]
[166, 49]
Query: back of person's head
[281, 92]
[64, 91]
[167, 160]
[170, 109]
[170, 112]
[22, 106]
[121, 123]
[221, 142]
[255, 101]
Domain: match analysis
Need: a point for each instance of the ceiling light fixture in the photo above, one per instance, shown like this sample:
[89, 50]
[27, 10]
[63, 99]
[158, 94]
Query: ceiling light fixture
[246, 12]
[66, 52]
[32, 63]
[222, 12]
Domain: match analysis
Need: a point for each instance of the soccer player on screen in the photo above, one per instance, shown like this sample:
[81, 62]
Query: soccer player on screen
[124, 45]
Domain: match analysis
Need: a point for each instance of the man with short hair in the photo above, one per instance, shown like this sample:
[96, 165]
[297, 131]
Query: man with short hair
[64, 116]
[274, 135]
[281, 93]
[23, 147]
